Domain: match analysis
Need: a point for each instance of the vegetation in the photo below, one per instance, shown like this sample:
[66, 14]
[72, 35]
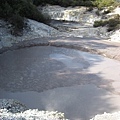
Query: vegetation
[113, 23]
[64, 3]
[103, 3]
[14, 11]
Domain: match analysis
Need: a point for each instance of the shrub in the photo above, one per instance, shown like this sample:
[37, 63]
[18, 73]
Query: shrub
[6, 10]
[103, 3]
[100, 23]
[113, 23]
[64, 3]
[97, 12]
[18, 24]
[14, 11]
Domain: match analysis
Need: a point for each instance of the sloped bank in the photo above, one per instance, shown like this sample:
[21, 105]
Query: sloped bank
[35, 30]
[81, 36]
[92, 45]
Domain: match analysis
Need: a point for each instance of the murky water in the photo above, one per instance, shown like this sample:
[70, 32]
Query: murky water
[77, 83]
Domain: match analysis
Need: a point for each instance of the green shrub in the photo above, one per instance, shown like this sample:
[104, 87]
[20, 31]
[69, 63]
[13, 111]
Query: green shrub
[97, 12]
[18, 24]
[14, 11]
[6, 10]
[103, 3]
[64, 3]
[113, 23]
[100, 23]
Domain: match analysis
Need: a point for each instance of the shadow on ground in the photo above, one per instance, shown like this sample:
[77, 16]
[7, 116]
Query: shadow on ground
[61, 79]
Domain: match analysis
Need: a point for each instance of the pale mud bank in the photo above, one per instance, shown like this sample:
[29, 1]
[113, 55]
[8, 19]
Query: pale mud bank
[107, 116]
[14, 110]
[86, 19]
[84, 27]
[36, 30]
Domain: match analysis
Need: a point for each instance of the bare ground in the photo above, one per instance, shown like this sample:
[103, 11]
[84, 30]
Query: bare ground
[105, 48]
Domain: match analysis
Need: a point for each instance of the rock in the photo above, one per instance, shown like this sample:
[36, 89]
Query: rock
[36, 30]
[115, 36]
[107, 116]
[40, 29]
[11, 105]
[115, 11]
[77, 14]
[14, 110]
[82, 21]
[82, 28]
[31, 115]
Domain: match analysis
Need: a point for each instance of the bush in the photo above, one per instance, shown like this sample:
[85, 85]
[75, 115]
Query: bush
[64, 3]
[100, 23]
[14, 11]
[6, 10]
[103, 3]
[113, 23]
[18, 24]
